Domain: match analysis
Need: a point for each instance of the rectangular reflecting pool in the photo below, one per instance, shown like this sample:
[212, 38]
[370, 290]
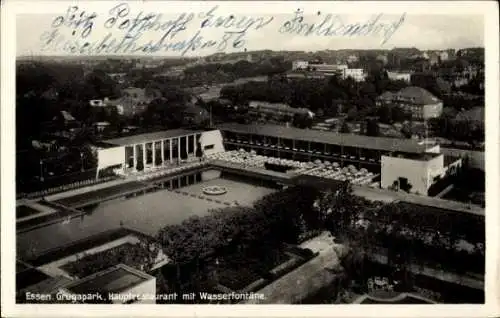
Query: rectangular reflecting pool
[147, 213]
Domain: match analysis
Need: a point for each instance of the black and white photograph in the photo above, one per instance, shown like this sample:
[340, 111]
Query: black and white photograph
[222, 154]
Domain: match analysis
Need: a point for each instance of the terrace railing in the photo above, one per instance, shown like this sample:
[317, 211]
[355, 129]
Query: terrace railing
[64, 187]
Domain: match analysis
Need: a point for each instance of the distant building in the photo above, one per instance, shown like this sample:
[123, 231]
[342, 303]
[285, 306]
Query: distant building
[107, 103]
[434, 59]
[358, 74]
[299, 65]
[422, 104]
[101, 126]
[444, 56]
[277, 110]
[320, 70]
[118, 77]
[133, 100]
[470, 71]
[63, 122]
[328, 69]
[352, 59]
[382, 58]
[460, 81]
[399, 76]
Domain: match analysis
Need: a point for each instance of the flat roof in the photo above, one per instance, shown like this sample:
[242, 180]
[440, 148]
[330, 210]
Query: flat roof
[328, 137]
[137, 139]
[116, 279]
[426, 156]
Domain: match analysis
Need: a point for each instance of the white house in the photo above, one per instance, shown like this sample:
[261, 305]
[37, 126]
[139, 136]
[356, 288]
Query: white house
[358, 74]
[419, 171]
[299, 65]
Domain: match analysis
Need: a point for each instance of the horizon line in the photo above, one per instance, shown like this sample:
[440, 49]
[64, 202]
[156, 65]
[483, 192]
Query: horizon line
[229, 53]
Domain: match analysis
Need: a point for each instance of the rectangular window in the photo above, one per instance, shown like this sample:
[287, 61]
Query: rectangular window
[208, 147]
[191, 144]
[149, 153]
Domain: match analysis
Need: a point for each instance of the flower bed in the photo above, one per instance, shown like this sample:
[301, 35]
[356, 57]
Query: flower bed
[238, 271]
[237, 279]
[139, 256]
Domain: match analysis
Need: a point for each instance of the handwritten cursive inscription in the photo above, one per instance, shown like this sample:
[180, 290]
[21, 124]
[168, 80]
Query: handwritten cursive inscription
[80, 21]
[231, 22]
[121, 30]
[333, 25]
[148, 32]
[120, 18]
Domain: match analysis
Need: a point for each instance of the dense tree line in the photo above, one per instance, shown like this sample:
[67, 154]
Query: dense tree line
[405, 233]
[273, 219]
[461, 129]
[328, 96]
[228, 72]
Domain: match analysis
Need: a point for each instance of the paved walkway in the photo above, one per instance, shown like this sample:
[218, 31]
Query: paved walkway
[388, 196]
[91, 188]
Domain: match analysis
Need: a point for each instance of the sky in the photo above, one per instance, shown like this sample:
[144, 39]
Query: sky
[426, 32]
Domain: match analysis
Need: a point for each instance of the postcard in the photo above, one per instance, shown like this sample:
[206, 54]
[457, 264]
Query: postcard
[250, 158]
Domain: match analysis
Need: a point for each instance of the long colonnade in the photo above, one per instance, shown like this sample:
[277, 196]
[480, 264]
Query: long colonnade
[157, 153]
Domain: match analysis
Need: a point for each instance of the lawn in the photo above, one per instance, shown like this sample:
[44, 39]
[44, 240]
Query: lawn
[244, 193]
[239, 269]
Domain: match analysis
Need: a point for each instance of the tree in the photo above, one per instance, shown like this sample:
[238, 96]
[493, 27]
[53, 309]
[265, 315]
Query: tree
[98, 85]
[406, 130]
[385, 114]
[352, 113]
[345, 128]
[302, 121]
[372, 128]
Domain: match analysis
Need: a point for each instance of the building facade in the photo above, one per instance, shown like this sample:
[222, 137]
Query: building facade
[358, 74]
[299, 65]
[399, 76]
[310, 145]
[414, 173]
[146, 151]
[276, 110]
[422, 104]
[329, 69]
